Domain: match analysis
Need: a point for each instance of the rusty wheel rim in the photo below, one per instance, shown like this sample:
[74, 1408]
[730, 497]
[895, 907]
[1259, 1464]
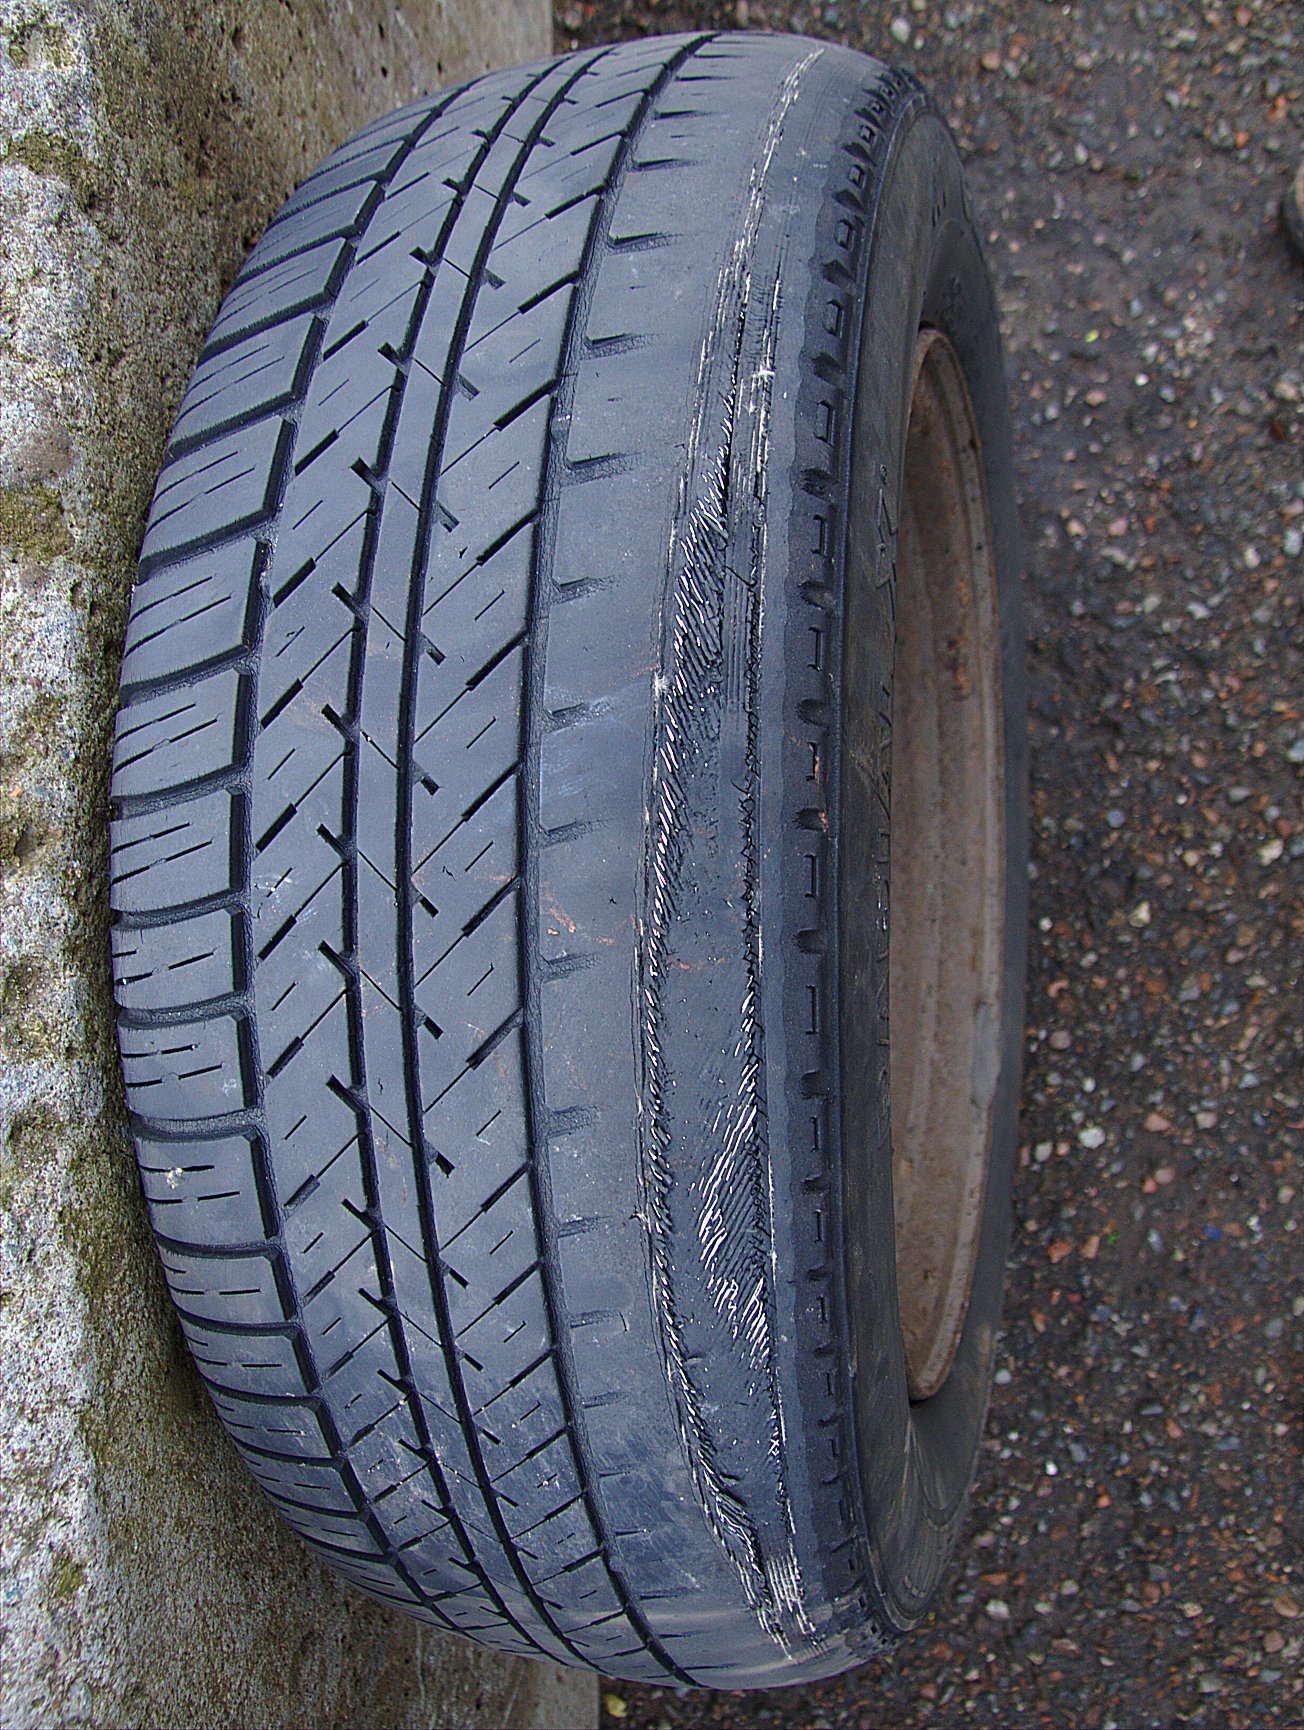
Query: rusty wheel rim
[946, 868]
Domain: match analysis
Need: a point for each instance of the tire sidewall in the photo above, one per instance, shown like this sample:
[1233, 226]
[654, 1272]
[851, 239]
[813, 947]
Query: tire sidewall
[925, 268]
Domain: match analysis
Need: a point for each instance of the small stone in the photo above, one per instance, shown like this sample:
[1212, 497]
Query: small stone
[1286, 1605]
[1091, 1137]
[1115, 818]
[1061, 1039]
[617, 1706]
[991, 62]
[1157, 1123]
[1271, 851]
[1191, 1610]
[997, 1609]
[1251, 559]
[1139, 917]
[1273, 1640]
[1295, 753]
[899, 30]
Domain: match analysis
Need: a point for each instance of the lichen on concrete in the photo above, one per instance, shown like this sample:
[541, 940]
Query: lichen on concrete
[146, 143]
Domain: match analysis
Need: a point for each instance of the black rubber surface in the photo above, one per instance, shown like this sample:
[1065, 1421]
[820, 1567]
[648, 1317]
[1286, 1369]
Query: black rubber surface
[475, 854]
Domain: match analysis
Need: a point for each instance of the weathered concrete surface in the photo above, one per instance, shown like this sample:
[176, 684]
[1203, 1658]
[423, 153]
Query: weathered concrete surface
[145, 144]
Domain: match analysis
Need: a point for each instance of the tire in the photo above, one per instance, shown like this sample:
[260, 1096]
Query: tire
[502, 847]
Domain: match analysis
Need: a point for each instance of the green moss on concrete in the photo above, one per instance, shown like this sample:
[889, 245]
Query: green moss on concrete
[66, 1578]
[39, 41]
[30, 1134]
[46, 153]
[27, 1009]
[32, 522]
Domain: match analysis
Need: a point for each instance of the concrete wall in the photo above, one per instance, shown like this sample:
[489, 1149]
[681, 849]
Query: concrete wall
[145, 145]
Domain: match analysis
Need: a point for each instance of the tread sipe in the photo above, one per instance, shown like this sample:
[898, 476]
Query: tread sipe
[479, 689]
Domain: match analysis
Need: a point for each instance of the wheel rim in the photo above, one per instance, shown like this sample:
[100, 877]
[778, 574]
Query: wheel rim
[946, 867]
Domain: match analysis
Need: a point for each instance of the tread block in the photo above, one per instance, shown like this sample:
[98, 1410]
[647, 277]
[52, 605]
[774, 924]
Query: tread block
[374, 309]
[185, 962]
[481, 1001]
[162, 859]
[608, 390]
[339, 172]
[307, 1483]
[187, 1069]
[629, 298]
[572, 1149]
[242, 1361]
[494, 486]
[323, 1227]
[238, 1289]
[484, 604]
[216, 489]
[577, 917]
[191, 612]
[310, 223]
[613, 560]
[496, 1249]
[477, 1147]
[178, 735]
[480, 740]
[600, 654]
[338, 1531]
[460, 867]
[580, 783]
[288, 875]
[248, 379]
[299, 283]
[299, 1151]
[282, 1426]
[202, 1192]
[343, 1307]
[298, 984]
[307, 650]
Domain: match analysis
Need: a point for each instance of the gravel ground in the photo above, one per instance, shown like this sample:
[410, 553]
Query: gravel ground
[1135, 1540]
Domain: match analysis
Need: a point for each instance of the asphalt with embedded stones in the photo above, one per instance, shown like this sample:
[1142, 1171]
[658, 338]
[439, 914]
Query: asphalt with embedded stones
[1134, 1552]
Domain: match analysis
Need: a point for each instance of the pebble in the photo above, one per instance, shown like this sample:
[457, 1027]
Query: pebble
[899, 30]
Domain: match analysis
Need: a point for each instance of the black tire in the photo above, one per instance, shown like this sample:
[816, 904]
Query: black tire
[500, 856]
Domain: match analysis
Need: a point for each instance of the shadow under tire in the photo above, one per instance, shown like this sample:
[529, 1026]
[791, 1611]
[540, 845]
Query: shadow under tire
[568, 858]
